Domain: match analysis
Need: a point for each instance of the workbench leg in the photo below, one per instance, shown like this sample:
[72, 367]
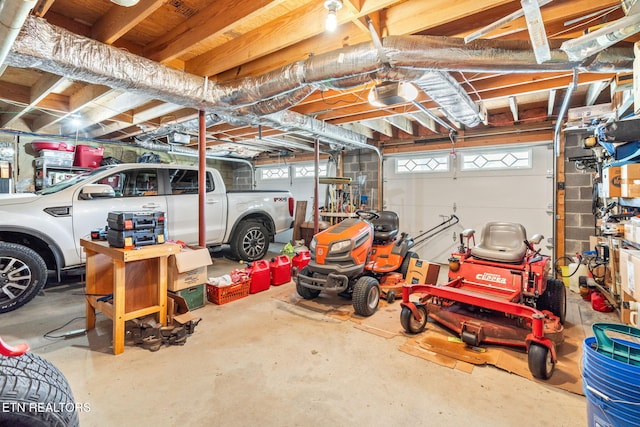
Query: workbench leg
[162, 290]
[91, 317]
[90, 288]
[118, 306]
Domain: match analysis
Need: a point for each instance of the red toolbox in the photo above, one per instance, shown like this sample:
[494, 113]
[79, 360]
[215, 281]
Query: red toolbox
[280, 269]
[88, 156]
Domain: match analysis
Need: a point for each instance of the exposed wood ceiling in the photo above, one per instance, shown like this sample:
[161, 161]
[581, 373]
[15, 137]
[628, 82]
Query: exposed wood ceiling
[230, 40]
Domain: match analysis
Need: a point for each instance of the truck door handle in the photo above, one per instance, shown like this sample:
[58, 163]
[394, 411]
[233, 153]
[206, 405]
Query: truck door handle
[151, 206]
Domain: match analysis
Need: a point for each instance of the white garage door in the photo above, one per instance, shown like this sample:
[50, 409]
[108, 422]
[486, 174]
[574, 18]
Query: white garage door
[503, 183]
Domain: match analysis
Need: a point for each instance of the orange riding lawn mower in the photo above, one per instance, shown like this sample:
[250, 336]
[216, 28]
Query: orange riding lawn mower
[499, 292]
[353, 257]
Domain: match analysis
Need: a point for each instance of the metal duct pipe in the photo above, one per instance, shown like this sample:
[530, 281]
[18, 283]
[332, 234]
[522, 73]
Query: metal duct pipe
[183, 151]
[445, 91]
[44, 46]
[13, 14]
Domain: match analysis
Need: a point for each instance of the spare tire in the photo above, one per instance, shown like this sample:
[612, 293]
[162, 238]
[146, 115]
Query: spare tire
[33, 392]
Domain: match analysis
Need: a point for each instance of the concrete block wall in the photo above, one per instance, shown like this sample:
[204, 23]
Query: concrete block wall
[579, 218]
[363, 162]
[236, 176]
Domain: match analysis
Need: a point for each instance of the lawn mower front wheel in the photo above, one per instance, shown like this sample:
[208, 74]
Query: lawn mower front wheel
[540, 363]
[410, 323]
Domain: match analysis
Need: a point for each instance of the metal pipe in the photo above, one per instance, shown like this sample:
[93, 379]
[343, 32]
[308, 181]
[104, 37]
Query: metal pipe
[13, 14]
[202, 178]
[434, 117]
[556, 151]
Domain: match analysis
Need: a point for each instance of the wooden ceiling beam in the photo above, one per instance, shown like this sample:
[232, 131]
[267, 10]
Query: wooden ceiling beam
[300, 24]
[220, 17]
[43, 87]
[77, 101]
[120, 20]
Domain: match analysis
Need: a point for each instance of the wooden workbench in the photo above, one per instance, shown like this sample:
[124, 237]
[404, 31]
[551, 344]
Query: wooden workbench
[137, 279]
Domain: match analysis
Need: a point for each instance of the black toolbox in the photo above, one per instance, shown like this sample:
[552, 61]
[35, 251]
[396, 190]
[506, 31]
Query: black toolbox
[129, 239]
[143, 220]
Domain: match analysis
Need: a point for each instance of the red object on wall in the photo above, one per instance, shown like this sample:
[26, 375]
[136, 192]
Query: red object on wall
[87, 156]
[280, 268]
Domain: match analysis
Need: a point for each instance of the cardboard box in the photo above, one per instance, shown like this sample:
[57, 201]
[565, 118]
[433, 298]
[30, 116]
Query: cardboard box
[625, 310]
[421, 271]
[629, 268]
[5, 169]
[611, 180]
[188, 268]
[629, 231]
[630, 172]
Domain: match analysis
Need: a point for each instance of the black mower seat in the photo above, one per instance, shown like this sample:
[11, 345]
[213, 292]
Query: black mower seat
[386, 227]
[502, 242]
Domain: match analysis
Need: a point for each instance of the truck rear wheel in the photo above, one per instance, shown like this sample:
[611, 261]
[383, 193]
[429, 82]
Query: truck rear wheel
[250, 242]
[23, 273]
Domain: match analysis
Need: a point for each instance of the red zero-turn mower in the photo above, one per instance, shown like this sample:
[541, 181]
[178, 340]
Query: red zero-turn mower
[499, 292]
[351, 257]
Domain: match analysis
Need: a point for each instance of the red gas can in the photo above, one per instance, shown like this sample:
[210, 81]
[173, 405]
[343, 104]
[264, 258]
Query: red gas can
[300, 260]
[260, 276]
[280, 270]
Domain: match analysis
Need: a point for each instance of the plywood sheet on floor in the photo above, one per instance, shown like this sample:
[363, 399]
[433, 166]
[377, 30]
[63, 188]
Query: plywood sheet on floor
[440, 346]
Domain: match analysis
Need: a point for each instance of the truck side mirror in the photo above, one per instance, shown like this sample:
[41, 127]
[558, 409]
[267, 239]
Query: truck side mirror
[94, 191]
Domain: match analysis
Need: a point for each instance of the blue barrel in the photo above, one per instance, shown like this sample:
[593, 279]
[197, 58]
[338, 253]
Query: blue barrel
[611, 377]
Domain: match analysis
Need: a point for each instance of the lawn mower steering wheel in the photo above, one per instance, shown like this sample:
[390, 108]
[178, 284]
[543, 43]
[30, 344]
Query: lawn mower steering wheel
[367, 215]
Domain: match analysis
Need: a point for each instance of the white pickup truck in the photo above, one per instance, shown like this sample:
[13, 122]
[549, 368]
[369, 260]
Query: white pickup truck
[41, 232]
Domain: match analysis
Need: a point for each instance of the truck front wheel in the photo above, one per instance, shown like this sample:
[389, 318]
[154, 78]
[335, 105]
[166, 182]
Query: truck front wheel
[250, 242]
[23, 273]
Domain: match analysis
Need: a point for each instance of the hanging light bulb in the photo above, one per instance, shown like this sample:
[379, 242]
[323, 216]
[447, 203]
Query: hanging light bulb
[332, 6]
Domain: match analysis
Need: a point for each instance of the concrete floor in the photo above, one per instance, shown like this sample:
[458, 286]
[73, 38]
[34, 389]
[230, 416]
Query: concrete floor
[263, 361]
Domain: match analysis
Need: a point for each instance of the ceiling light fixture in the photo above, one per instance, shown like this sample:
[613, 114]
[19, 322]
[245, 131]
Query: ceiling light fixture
[537, 33]
[390, 93]
[333, 6]
[125, 3]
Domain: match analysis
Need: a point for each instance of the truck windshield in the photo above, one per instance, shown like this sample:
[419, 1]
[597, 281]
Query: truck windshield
[73, 180]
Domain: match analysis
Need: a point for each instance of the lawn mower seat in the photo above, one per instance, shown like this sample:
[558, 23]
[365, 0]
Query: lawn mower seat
[386, 227]
[501, 242]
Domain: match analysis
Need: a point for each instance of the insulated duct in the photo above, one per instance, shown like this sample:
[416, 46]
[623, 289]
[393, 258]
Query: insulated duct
[445, 91]
[184, 151]
[43, 46]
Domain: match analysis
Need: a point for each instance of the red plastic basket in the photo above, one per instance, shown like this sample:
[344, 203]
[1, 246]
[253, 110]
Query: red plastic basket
[224, 294]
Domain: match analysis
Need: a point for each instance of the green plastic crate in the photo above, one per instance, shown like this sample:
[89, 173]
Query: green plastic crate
[194, 296]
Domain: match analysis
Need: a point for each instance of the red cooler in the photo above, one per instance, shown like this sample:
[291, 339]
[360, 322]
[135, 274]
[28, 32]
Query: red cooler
[260, 276]
[87, 156]
[280, 267]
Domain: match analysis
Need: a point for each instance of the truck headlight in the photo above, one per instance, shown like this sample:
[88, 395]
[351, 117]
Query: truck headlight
[312, 245]
[341, 246]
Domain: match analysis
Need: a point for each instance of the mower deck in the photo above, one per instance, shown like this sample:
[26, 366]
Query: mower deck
[481, 313]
